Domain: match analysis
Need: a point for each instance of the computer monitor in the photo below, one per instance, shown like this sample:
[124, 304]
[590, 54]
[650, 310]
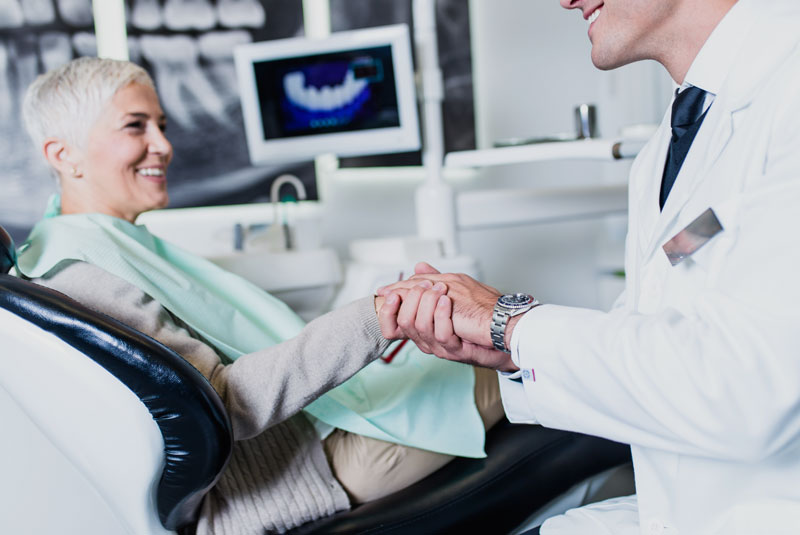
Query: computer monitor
[350, 94]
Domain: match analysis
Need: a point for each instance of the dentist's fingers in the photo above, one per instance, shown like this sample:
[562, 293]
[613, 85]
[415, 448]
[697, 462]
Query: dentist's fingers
[415, 318]
[449, 346]
[424, 268]
[485, 357]
[424, 323]
[405, 285]
[407, 315]
[443, 324]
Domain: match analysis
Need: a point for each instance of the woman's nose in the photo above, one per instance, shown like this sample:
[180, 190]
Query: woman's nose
[159, 142]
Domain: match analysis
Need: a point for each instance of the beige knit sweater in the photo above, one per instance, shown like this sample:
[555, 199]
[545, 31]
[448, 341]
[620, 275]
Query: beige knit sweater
[278, 477]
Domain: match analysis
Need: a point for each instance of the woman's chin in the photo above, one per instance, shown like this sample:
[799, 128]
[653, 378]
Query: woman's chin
[162, 203]
[156, 203]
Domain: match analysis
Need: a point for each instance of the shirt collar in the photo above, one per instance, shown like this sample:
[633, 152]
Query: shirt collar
[714, 61]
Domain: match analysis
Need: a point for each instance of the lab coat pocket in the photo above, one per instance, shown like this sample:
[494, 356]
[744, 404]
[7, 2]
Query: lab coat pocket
[693, 237]
[705, 245]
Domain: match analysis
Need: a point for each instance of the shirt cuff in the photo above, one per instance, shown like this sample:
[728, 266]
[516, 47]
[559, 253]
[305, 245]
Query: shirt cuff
[515, 402]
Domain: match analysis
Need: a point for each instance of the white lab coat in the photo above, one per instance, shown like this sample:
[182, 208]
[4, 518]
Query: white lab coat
[698, 365]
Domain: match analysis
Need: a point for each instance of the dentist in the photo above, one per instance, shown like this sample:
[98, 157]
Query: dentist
[696, 365]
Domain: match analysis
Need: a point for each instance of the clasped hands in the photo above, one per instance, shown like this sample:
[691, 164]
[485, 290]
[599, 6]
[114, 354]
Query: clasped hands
[445, 314]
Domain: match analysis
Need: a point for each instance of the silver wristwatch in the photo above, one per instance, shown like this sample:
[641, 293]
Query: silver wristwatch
[507, 306]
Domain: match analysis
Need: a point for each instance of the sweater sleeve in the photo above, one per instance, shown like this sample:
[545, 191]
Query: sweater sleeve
[258, 389]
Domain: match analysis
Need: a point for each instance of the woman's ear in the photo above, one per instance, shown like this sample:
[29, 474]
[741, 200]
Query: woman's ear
[58, 154]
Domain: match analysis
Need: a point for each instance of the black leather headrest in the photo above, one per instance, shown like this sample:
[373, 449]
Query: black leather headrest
[197, 433]
[8, 253]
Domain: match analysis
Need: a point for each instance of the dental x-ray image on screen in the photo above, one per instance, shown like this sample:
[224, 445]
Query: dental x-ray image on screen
[350, 94]
[337, 92]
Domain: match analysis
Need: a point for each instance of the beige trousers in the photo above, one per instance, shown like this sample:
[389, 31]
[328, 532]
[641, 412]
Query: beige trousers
[368, 468]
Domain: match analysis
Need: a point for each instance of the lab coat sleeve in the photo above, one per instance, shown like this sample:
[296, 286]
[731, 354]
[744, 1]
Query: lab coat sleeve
[260, 389]
[718, 376]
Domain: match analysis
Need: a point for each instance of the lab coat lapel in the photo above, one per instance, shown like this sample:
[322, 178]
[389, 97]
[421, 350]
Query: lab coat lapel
[761, 53]
[646, 186]
[711, 140]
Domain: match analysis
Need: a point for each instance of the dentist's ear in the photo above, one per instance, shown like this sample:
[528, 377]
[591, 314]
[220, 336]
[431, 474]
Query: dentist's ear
[57, 154]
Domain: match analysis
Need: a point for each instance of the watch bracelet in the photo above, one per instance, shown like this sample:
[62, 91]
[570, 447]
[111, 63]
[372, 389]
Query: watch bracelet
[500, 319]
[498, 330]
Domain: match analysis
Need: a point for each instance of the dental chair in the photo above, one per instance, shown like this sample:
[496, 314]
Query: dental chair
[106, 431]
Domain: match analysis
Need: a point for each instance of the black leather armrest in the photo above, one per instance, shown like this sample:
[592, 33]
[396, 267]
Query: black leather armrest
[195, 426]
[526, 467]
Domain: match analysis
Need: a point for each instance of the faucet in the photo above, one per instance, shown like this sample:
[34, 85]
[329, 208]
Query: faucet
[287, 179]
[277, 233]
[273, 195]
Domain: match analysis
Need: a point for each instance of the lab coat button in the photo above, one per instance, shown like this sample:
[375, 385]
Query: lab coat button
[526, 375]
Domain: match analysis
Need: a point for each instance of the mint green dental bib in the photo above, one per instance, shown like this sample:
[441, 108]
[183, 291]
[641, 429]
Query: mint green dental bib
[417, 400]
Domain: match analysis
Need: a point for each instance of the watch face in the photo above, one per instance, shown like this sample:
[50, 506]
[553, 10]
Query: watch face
[515, 300]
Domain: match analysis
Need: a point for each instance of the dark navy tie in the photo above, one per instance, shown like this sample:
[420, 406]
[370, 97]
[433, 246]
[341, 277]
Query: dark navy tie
[687, 116]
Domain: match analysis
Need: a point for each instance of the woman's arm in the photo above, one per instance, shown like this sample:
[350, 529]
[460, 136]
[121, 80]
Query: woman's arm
[259, 389]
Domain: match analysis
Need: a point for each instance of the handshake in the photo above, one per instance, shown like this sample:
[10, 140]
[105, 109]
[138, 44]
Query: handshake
[447, 315]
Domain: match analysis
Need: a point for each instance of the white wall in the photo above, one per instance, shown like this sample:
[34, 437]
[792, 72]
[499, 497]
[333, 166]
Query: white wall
[531, 67]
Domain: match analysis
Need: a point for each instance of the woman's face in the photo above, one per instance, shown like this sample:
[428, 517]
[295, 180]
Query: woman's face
[124, 166]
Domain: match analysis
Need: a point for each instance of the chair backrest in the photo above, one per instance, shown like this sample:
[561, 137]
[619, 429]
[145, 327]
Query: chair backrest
[98, 411]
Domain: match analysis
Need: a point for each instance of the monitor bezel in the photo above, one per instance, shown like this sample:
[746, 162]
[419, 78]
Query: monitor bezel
[402, 138]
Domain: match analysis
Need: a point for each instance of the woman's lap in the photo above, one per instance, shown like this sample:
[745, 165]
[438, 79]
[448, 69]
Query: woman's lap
[369, 469]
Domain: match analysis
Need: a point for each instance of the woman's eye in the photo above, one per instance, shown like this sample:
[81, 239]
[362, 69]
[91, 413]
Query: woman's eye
[134, 124]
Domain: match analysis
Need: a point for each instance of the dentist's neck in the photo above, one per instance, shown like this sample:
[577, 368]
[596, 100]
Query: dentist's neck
[692, 27]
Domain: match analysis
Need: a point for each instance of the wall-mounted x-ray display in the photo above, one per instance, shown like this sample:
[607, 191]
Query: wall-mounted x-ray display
[351, 93]
[339, 92]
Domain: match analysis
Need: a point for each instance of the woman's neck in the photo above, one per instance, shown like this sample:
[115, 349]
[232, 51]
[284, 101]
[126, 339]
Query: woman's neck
[74, 204]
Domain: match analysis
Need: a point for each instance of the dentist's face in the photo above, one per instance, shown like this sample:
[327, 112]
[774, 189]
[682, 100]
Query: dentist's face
[624, 31]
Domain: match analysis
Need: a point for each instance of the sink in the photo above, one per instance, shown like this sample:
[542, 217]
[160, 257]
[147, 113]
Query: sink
[306, 280]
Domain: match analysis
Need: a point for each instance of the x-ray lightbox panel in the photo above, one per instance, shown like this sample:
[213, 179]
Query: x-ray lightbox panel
[350, 94]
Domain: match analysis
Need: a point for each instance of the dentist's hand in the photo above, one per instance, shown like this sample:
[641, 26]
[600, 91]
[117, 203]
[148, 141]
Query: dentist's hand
[400, 310]
[419, 310]
[394, 295]
[423, 314]
[388, 320]
[472, 301]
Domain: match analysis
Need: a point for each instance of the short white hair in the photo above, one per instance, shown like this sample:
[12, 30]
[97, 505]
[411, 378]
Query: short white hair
[66, 101]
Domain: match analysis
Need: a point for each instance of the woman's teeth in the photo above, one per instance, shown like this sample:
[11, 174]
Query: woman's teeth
[594, 15]
[151, 172]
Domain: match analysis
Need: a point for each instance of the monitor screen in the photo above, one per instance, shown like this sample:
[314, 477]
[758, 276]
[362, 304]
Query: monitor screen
[350, 94]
